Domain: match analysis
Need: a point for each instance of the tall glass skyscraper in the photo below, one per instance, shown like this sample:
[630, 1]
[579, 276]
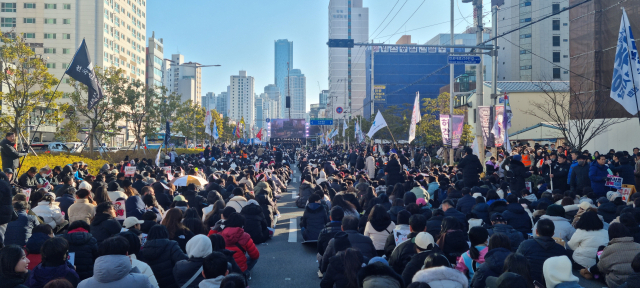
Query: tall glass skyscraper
[283, 54]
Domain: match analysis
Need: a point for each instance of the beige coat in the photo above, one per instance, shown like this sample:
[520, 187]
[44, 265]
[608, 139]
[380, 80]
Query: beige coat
[82, 210]
[616, 258]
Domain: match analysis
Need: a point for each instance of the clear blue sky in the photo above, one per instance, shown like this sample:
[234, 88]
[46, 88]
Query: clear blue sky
[239, 35]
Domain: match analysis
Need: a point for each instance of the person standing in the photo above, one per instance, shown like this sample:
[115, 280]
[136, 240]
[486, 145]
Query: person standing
[371, 166]
[471, 167]
[10, 156]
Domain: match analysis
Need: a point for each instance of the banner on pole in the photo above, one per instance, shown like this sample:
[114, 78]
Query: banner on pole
[457, 126]
[485, 116]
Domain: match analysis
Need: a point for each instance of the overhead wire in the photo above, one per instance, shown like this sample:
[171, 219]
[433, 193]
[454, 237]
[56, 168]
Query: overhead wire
[385, 18]
[394, 17]
[405, 22]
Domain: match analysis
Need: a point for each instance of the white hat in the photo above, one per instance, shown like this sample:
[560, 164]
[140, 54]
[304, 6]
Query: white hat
[131, 221]
[557, 270]
[423, 240]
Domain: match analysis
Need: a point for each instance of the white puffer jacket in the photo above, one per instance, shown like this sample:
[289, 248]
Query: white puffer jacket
[585, 245]
[442, 277]
[50, 213]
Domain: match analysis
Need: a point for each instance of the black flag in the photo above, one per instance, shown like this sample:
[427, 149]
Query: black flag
[81, 69]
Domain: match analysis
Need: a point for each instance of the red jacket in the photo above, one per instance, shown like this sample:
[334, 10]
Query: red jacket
[240, 242]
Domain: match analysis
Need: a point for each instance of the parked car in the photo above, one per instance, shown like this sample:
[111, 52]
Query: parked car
[52, 147]
[75, 147]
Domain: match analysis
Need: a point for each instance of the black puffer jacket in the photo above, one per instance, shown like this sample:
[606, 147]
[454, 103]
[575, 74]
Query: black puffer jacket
[162, 255]
[607, 211]
[6, 209]
[454, 244]
[632, 281]
[85, 246]
[255, 224]
[326, 234]
[471, 168]
[104, 226]
[185, 269]
[393, 170]
[537, 251]
[416, 263]
[517, 218]
[481, 211]
[519, 174]
[515, 236]
[492, 266]
[267, 208]
[580, 178]
[403, 253]
[306, 189]
[313, 221]
[19, 230]
[434, 225]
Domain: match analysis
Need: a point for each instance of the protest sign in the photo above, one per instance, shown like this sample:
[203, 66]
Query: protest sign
[167, 169]
[129, 171]
[26, 192]
[614, 181]
[121, 213]
[626, 191]
[528, 186]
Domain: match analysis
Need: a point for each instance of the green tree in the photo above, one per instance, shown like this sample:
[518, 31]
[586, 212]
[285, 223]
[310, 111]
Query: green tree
[428, 130]
[164, 110]
[189, 120]
[137, 104]
[219, 122]
[68, 132]
[29, 96]
[102, 119]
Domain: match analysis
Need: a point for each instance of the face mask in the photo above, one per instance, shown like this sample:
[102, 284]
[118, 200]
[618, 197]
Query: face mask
[580, 162]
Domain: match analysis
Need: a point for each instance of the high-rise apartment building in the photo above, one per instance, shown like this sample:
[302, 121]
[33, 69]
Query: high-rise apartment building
[209, 101]
[297, 83]
[548, 39]
[155, 55]
[259, 113]
[182, 78]
[283, 60]
[221, 102]
[242, 102]
[114, 30]
[273, 92]
[324, 96]
[356, 28]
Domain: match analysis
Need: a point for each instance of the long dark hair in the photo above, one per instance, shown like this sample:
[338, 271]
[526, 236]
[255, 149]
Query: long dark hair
[517, 263]
[101, 195]
[499, 240]
[339, 200]
[9, 258]
[352, 260]
[173, 221]
[214, 214]
[477, 236]
[379, 215]
[217, 242]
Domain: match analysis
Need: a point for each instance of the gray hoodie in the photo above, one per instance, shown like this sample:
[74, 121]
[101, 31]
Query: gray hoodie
[115, 271]
[211, 283]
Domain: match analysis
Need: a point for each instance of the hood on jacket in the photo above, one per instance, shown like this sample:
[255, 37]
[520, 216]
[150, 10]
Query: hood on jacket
[313, 207]
[110, 268]
[78, 238]
[233, 235]
[557, 270]
[545, 242]
[447, 277]
[494, 259]
[608, 208]
[211, 283]
[515, 208]
[35, 242]
[41, 275]
[154, 248]
[199, 247]
[99, 218]
[379, 270]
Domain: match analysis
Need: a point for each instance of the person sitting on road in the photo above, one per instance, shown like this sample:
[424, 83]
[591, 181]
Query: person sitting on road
[314, 219]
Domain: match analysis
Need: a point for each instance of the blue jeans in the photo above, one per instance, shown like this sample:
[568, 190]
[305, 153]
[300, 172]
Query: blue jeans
[251, 263]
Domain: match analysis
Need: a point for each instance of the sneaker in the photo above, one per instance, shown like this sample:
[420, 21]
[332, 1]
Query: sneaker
[319, 274]
[586, 274]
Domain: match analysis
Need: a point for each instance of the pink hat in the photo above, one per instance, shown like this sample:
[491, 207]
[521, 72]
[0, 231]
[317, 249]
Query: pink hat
[421, 202]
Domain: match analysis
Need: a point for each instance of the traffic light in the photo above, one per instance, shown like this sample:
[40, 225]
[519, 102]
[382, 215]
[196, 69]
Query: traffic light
[340, 43]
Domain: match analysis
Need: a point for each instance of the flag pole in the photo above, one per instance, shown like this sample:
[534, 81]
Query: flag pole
[635, 90]
[394, 139]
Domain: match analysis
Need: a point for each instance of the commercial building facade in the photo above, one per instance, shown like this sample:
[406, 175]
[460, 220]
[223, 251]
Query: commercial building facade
[283, 61]
[297, 83]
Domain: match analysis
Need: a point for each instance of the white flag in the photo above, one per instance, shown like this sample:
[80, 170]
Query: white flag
[207, 123]
[377, 124]
[344, 127]
[415, 118]
[626, 76]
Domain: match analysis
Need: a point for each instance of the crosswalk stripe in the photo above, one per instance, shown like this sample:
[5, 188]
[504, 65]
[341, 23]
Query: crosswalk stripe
[293, 230]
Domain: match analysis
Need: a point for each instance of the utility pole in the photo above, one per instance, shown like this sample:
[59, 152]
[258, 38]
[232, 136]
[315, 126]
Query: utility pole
[349, 55]
[479, 81]
[372, 82]
[494, 65]
[451, 90]
[289, 89]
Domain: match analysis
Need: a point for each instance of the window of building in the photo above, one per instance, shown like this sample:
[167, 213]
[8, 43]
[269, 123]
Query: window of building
[28, 35]
[523, 20]
[66, 36]
[29, 20]
[51, 65]
[29, 5]
[525, 4]
[555, 8]
[49, 35]
[522, 52]
[8, 22]
[556, 73]
[556, 41]
[50, 50]
[66, 51]
[525, 67]
[66, 6]
[523, 36]
[556, 57]
[50, 6]
[556, 25]
[66, 21]
[9, 7]
[65, 65]
[50, 21]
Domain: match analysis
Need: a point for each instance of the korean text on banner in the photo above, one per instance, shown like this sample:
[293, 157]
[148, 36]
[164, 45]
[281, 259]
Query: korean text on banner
[400, 235]
[129, 171]
[444, 128]
[614, 181]
[121, 212]
[485, 117]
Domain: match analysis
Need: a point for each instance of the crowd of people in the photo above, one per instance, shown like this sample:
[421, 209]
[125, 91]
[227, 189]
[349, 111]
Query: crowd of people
[380, 216]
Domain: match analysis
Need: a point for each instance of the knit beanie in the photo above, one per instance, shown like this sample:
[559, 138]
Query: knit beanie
[555, 210]
[557, 270]
[341, 241]
[378, 260]
[199, 246]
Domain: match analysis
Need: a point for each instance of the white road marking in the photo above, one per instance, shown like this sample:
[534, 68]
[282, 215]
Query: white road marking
[293, 230]
[294, 180]
[294, 195]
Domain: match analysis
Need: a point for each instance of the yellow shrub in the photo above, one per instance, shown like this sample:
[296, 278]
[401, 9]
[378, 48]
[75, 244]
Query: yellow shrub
[60, 159]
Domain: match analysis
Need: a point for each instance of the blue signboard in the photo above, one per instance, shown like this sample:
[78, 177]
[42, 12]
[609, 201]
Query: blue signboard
[321, 121]
[460, 59]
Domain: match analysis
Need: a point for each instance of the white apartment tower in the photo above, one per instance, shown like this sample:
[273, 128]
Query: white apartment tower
[183, 78]
[297, 83]
[114, 30]
[548, 39]
[155, 55]
[339, 23]
[209, 101]
[241, 102]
